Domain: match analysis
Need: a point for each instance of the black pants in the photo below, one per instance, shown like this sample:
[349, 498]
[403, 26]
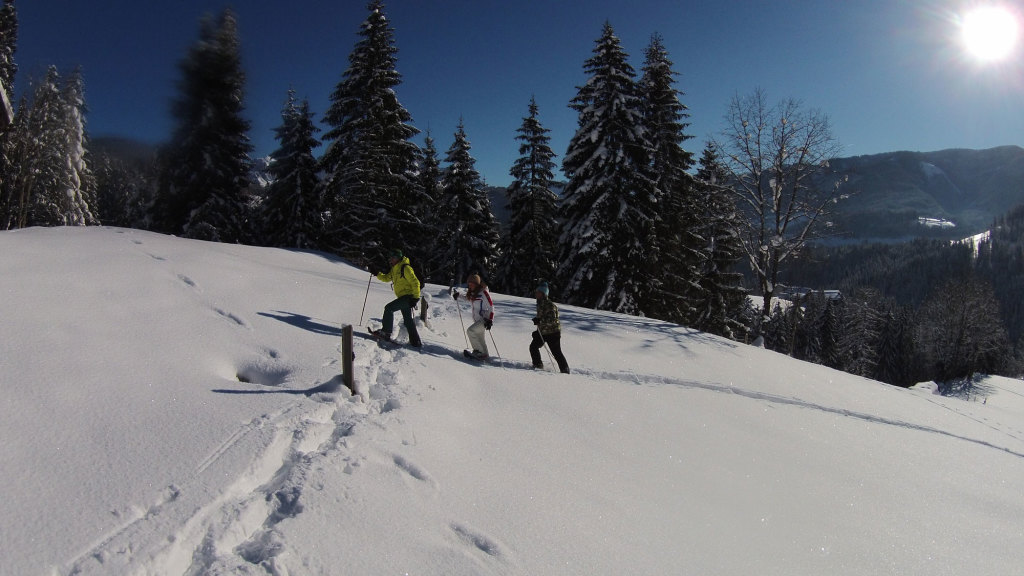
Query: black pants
[554, 342]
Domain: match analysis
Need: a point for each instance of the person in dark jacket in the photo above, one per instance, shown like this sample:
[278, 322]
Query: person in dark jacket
[549, 331]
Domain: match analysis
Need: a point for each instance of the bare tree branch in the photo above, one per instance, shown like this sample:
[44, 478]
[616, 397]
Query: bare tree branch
[774, 156]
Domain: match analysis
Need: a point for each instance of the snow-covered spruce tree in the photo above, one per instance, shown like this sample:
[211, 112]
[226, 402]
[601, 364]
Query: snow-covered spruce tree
[471, 230]
[896, 349]
[41, 155]
[51, 183]
[720, 299]
[17, 175]
[206, 167]
[529, 247]
[292, 210]
[78, 193]
[123, 191]
[610, 202]
[429, 171]
[8, 45]
[677, 250]
[829, 332]
[806, 343]
[371, 186]
[778, 330]
[861, 319]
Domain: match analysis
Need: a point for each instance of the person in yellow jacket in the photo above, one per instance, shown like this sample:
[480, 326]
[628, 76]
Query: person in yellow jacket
[407, 291]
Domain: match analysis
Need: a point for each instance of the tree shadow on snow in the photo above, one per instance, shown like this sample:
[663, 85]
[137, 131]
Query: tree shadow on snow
[652, 331]
[303, 322]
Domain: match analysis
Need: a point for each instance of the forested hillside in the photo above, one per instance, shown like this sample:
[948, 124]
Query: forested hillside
[925, 309]
[887, 194]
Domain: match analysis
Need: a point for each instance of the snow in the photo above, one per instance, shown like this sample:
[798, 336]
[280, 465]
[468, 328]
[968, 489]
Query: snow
[931, 170]
[935, 222]
[172, 406]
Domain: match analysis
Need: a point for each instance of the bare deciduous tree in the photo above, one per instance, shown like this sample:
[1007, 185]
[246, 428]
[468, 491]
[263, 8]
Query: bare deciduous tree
[962, 332]
[773, 155]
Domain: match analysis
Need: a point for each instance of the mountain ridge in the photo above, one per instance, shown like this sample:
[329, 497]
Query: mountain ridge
[887, 195]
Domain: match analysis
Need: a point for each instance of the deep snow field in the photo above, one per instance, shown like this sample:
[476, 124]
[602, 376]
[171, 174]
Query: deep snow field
[174, 407]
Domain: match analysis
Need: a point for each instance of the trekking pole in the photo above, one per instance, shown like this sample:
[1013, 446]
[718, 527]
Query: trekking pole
[365, 298]
[463, 324]
[496, 351]
[546, 349]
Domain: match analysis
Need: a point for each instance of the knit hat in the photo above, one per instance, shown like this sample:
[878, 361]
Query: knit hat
[395, 253]
[543, 288]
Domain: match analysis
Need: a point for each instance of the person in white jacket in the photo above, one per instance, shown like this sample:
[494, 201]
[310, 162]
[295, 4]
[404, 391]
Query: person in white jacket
[483, 315]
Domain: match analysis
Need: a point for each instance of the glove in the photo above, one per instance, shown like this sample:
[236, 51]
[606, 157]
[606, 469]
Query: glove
[488, 323]
[455, 294]
[536, 320]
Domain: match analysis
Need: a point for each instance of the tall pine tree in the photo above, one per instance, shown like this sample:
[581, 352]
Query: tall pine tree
[719, 300]
[292, 210]
[50, 182]
[528, 253]
[610, 203]
[678, 244]
[206, 168]
[8, 170]
[8, 45]
[77, 190]
[370, 161]
[123, 190]
[19, 151]
[471, 230]
[896, 349]
[429, 170]
[861, 320]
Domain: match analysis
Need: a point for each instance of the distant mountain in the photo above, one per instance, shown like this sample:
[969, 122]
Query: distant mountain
[498, 196]
[949, 193]
[499, 203]
[896, 196]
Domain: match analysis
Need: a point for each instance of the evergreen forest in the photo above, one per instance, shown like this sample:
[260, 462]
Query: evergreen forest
[636, 223]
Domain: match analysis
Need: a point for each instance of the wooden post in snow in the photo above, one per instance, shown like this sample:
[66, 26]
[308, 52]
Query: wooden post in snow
[346, 357]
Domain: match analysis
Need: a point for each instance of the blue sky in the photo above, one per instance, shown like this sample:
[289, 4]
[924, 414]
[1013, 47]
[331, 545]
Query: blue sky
[890, 74]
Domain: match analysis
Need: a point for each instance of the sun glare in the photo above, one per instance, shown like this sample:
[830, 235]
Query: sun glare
[989, 33]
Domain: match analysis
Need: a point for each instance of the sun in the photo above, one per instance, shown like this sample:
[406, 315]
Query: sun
[989, 33]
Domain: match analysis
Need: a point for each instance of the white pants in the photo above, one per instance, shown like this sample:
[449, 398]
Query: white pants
[476, 337]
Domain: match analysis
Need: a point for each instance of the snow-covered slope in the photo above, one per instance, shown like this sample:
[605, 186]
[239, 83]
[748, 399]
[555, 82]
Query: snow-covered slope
[172, 407]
